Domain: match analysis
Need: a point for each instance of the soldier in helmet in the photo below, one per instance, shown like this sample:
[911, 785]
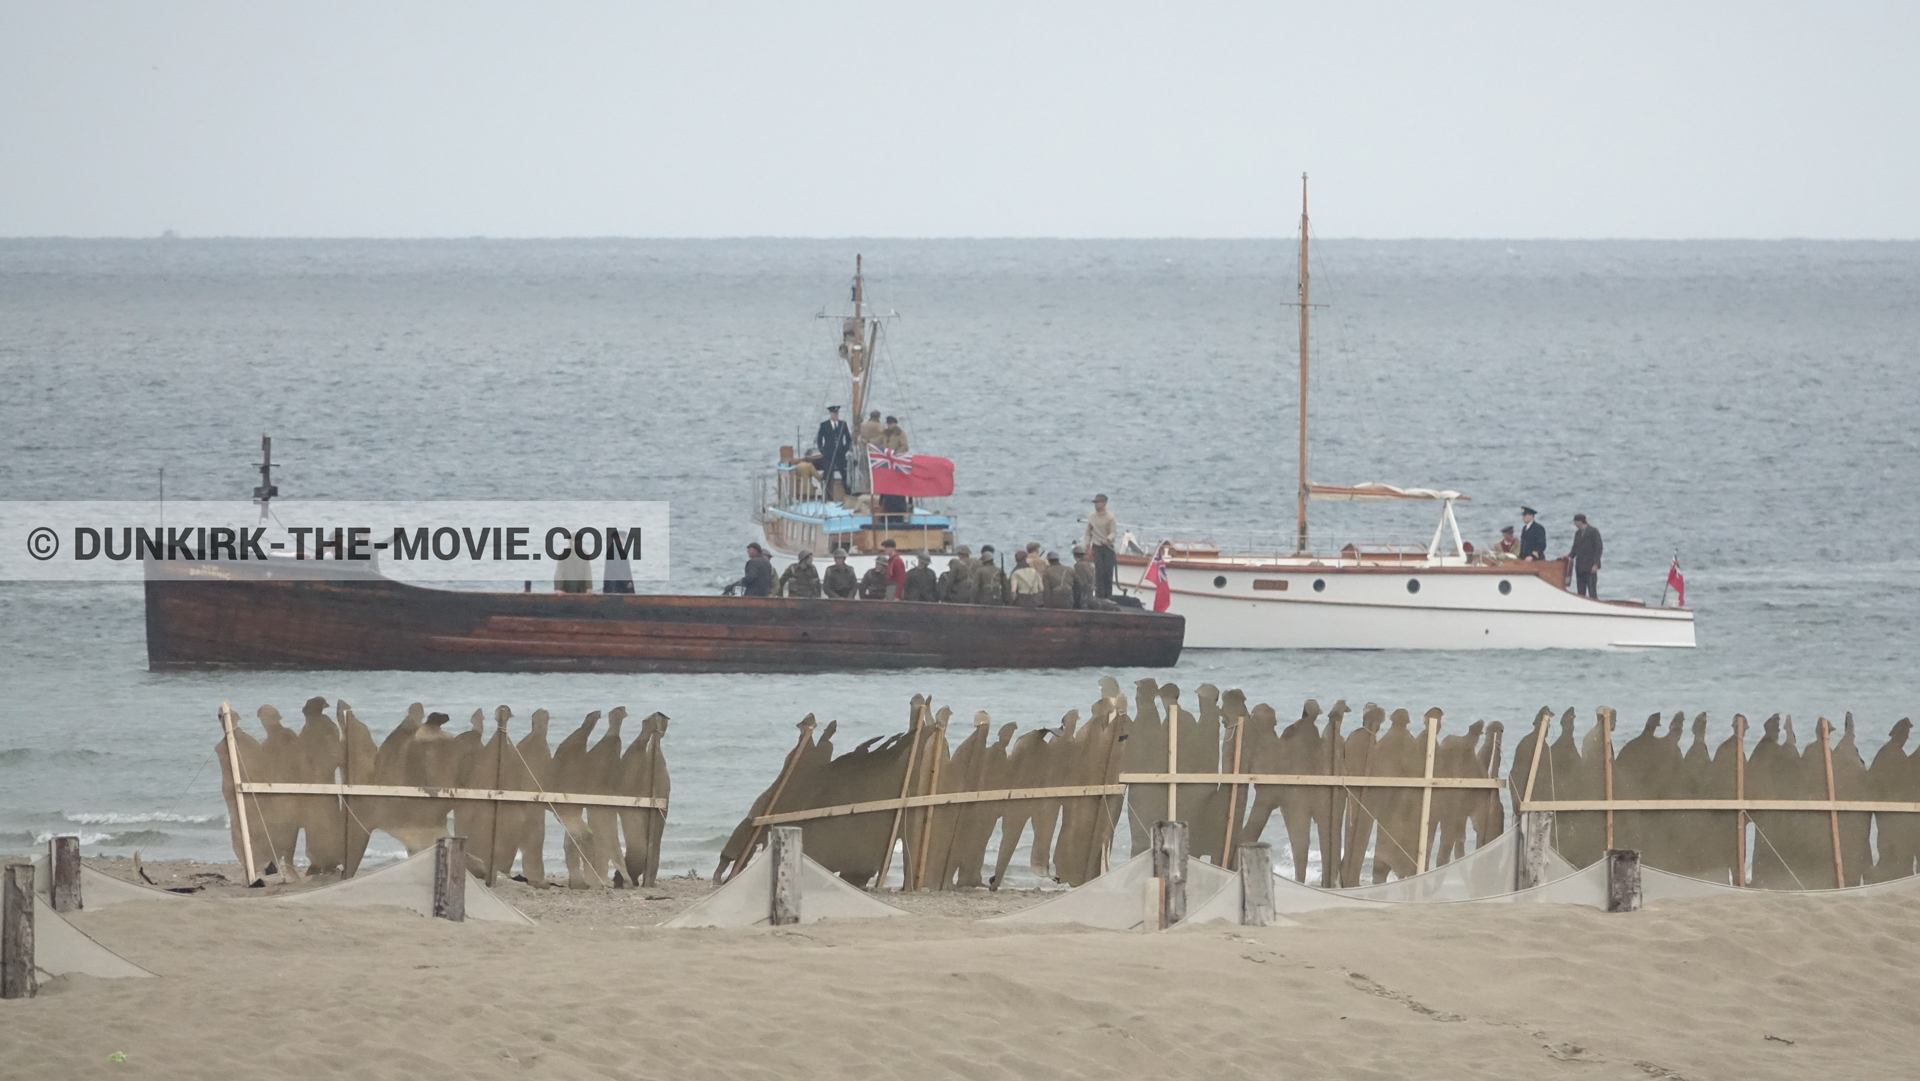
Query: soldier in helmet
[800, 580]
[989, 582]
[921, 583]
[839, 582]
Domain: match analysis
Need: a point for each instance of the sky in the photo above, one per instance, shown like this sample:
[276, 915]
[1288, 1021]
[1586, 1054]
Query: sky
[1112, 119]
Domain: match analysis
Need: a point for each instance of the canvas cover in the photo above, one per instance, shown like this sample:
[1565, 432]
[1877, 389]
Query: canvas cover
[746, 898]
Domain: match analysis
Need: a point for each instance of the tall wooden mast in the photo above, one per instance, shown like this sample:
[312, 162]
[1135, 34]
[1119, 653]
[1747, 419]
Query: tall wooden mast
[1300, 526]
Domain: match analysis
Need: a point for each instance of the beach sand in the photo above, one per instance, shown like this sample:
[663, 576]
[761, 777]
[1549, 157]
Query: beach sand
[1741, 988]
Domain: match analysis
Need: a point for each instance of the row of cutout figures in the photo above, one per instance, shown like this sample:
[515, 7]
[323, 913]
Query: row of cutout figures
[1377, 828]
[604, 846]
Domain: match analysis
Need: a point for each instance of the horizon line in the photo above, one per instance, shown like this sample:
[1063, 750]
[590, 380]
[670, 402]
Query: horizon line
[172, 235]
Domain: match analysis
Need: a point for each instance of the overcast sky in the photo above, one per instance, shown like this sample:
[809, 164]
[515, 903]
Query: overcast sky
[976, 119]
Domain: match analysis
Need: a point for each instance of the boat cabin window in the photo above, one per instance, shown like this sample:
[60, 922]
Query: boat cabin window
[1319, 585]
[1506, 587]
[1219, 581]
[1413, 585]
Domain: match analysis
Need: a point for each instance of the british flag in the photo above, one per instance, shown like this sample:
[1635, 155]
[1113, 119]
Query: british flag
[882, 458]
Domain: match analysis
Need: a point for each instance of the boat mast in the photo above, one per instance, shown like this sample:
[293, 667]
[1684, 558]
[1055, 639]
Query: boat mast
[1300, 526]
[856, 346]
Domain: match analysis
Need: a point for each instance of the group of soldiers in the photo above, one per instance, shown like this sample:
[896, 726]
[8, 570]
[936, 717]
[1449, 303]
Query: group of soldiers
[1038, 580]
[604, 845]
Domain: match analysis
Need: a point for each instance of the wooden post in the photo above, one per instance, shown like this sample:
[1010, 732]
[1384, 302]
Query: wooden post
[1833, 817]
[906, 786]
[1623, 880]
[493, 806]
[1173, 759]
[1233, 801]
[773, 804]
[63, 864]
[926, 816]
[1536, 834]
[1426, 795]
[1740, 792]
[785, 855]
[239, 797]
[16, 931]
[1606, 750]
[450, 878]
[1170, 864]
[1330, 844]
[1256, 885]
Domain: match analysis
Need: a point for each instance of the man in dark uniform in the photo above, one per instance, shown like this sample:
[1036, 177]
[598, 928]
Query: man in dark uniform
[758, 579]
[1533, 538]
[1586, 557]
[956, 585]
[802, 579]
[1059, 581]
[1083, 577]
[834, 440]
[839, 582]
[921, 583]
[873, 584]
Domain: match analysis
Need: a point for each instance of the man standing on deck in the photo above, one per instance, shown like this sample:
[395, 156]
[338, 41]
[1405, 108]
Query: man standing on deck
[1059, 581]
[839, 583]
[921, 584]
[872, 432]
[894, 438]
[1029, 585]
[989, 582]
[1508, 545]
[1101, 530]
[1083, 577]
[800, 580]
[956, 586]
[894, 567]
[758, 579]
[1533, 538]
[1586, 557]
[834, 441]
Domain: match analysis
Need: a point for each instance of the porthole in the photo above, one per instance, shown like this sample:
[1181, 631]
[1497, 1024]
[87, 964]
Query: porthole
[1319, 585]
[1413, 585]
[1506, 587]
[1219, 581]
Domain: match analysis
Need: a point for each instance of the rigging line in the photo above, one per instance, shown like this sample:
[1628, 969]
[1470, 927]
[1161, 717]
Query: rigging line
[565, 833]
[168, 813]
[1762, 834]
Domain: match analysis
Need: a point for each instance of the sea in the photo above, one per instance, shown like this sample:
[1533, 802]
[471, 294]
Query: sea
[1750, 409]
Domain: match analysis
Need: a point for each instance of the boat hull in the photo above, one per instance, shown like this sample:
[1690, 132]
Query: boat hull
[1454, 608]
[258, 621]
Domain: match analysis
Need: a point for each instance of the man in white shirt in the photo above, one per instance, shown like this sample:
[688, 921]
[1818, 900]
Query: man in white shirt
[1102, 527]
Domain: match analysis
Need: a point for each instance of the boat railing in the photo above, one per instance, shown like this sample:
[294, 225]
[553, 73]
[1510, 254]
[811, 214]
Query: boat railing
[1276, 545]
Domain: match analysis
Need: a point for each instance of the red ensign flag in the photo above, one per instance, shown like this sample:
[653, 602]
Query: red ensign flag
[1677, 583]
[909, 474]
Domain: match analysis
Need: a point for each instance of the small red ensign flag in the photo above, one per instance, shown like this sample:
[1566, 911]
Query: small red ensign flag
[1157, 574]
[1677, 583]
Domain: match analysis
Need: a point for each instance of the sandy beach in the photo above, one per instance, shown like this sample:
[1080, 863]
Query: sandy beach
[1757, 987]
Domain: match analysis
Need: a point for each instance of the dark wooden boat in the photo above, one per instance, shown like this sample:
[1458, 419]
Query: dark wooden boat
[202, 616]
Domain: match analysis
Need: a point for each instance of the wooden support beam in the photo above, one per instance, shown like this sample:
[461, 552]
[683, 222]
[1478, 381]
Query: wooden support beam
[1606, 747]
[941, 799]
[900, 811]
[785, 853]
[290, 788]
[1740, 793]
[1878, 806]
[239, 792]
[16, 931]
[63, 865]
[1623, 880]
[1256, 885]
[1169, 843]
[450, 878]
[1233, 800]
[1312, 780]
[1536, 840]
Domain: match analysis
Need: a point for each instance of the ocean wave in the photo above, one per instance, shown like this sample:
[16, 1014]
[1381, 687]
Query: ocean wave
[86, 838]
[127, 839]
[130, 818]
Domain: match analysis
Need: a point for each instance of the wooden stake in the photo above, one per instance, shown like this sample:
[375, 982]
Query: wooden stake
[1740, 792]
[786, 855]
[1623, 880]
[450, 878]
[1256, 885]
[906, 785]
[1606, 751]
[1533, 767]
[1330, 844]
[1233, 803]
[773, 802]
[493, 806]
[16, 931]
[1173, 760]
[63, 862]
[239, 793]
[1536, 833]
[1833, 817]
[1426, 794]
[921, 852]
[1170, 865]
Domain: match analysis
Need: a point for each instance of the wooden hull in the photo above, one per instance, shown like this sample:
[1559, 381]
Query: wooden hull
[222, 619]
